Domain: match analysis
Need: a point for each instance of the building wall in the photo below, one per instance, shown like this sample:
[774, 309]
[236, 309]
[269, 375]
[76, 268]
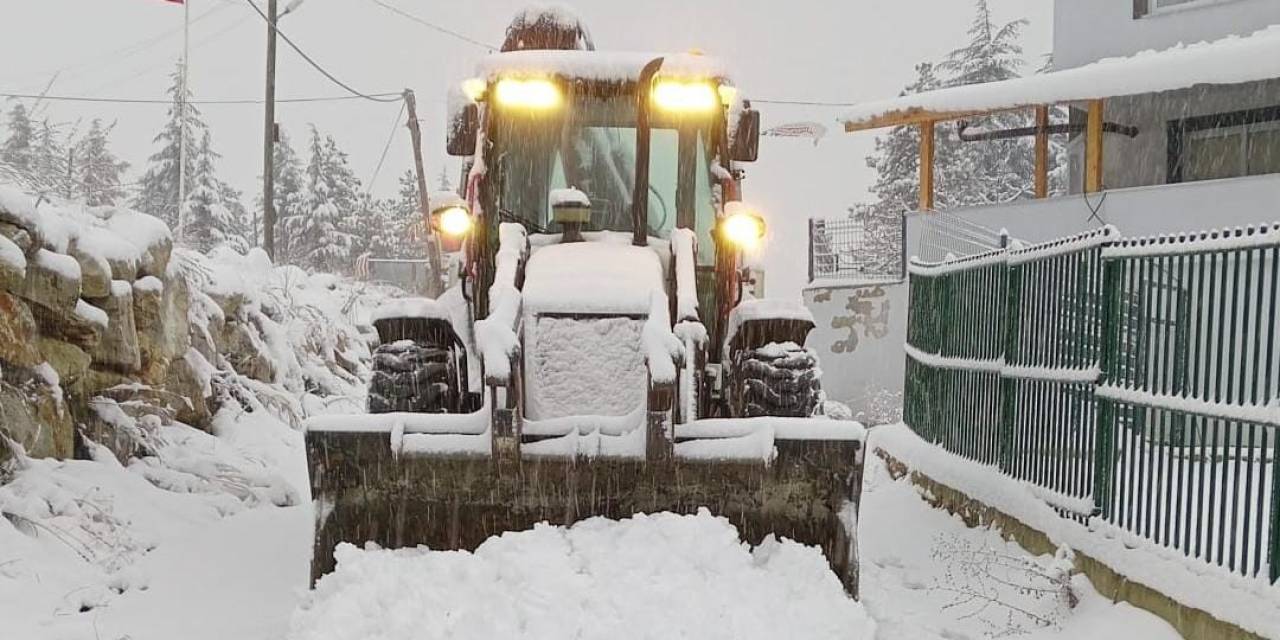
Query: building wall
[1088, 30]
[859, 333]
[1143, 160]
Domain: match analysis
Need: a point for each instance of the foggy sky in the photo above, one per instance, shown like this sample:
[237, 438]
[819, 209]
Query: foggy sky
[795, 50]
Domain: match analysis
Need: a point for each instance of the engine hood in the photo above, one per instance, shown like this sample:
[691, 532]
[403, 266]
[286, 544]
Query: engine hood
[592, 278]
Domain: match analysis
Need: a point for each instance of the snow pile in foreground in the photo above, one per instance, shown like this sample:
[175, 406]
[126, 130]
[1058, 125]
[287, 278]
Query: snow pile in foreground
[650, 576]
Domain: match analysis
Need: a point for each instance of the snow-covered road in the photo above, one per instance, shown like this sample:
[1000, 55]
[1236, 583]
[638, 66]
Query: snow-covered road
[925, 576]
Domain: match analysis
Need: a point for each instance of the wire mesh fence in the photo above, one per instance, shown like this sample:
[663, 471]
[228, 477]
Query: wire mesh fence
[1133, 380]
[855, 248]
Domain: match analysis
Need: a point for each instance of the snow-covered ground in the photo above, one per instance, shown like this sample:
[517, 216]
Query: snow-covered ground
[205, 564]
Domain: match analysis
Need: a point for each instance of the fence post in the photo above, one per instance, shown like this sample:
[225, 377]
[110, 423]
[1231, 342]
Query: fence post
[810, 249]
[1104, 454]
[1012, 332]
[1274, 555]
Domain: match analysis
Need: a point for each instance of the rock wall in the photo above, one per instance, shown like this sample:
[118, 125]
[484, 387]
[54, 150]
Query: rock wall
[96, 324]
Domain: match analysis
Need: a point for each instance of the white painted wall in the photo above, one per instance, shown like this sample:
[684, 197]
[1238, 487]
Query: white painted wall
[1088, 30]
[859, 336]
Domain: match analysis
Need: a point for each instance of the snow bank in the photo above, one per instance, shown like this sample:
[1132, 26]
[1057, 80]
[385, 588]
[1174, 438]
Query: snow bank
[650, 576]
[1246, 602]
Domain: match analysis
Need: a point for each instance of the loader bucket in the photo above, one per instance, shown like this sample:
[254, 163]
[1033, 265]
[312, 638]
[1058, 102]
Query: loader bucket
[370, 485]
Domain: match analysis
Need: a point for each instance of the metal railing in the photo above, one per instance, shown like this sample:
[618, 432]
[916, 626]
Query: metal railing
[1133, 380]
[847, 249]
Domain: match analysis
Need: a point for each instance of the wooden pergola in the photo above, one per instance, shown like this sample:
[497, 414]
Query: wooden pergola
[927, 121]
[1231, 60]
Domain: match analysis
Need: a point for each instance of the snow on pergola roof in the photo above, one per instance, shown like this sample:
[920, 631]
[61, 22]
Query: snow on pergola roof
[1231, 60]
[618, 66]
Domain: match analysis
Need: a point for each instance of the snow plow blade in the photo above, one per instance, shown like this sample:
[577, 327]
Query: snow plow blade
[378, 485]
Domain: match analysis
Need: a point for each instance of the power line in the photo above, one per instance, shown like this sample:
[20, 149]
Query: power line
[395, 127]
[379, 97]
[311, 62]
[432, 25]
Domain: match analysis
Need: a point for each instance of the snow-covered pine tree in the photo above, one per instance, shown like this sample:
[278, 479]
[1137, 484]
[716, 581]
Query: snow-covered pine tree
[97, 170]
[990, 171]
[17, 148]
[209, 223]
[318, 231]
[403, 225]
[287, 190]
[245, 228]
[896, 160]
[159, 185]
[50, 170]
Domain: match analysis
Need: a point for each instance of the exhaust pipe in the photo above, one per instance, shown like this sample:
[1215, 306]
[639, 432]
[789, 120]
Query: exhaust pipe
[640, 190]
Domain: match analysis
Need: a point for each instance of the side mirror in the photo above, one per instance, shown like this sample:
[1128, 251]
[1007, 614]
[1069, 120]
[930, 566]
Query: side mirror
[462, 130]
[746, 138]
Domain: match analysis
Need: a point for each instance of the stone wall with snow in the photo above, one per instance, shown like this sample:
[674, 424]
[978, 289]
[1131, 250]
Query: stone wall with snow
[106, 330]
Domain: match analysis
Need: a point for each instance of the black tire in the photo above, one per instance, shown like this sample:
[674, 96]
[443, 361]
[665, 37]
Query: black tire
[777, 380]
[414, 378]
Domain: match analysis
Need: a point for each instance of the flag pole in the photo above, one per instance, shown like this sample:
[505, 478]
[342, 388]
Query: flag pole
[182, 121]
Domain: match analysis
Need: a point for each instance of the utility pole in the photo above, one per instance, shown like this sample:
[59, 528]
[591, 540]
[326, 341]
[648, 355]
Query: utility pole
[435, 286]
[269, 140]
[182, 121]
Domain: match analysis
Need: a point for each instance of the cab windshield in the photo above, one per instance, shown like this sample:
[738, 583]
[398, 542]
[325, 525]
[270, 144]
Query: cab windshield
[589, 143]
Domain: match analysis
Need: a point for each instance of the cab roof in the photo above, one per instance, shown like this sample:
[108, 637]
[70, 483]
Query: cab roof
[602, 66]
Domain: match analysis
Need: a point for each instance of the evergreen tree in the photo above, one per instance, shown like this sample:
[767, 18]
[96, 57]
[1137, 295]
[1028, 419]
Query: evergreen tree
[988, 171]
[209, 222]
[97, 170]
[50, 168]
[17, 148]
[320, 229]
[287, 189]
[159, 185]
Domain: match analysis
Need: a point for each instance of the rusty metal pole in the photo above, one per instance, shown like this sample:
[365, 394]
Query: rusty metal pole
[435, 282]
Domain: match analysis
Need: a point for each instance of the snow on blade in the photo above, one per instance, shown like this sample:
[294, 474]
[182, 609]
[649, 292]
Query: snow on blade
[649, 576]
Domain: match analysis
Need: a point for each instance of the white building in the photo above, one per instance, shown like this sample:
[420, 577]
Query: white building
[1174, 126]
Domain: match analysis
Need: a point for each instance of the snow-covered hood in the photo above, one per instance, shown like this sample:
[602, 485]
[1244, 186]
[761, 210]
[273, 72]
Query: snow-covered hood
[592, 278]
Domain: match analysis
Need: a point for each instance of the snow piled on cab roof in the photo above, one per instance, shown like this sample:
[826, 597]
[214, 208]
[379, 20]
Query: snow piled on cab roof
[617, 66]
[1231, 60]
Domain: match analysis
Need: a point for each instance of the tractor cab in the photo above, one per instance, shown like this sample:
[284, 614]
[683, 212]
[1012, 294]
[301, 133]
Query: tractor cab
[606, 362]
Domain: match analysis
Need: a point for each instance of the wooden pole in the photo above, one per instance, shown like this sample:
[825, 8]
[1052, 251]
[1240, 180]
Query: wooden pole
[269, 139]
[182, 123]
[1093, 148]
[1042, 151]
[926, 165]
[435, 281]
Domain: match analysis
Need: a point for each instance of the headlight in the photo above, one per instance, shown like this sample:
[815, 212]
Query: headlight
[474, 88]
[530, 94]
[675, 95]
[744, 229]
[454, 222]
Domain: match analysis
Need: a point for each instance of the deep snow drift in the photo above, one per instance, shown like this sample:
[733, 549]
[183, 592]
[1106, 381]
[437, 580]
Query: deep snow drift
[659, 576]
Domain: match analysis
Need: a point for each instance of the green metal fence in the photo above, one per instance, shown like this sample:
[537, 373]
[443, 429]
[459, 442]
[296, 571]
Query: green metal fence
[1133, 380]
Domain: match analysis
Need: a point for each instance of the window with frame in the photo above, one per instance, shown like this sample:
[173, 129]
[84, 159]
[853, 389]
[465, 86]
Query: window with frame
[1225, 145]
[1147, 7]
